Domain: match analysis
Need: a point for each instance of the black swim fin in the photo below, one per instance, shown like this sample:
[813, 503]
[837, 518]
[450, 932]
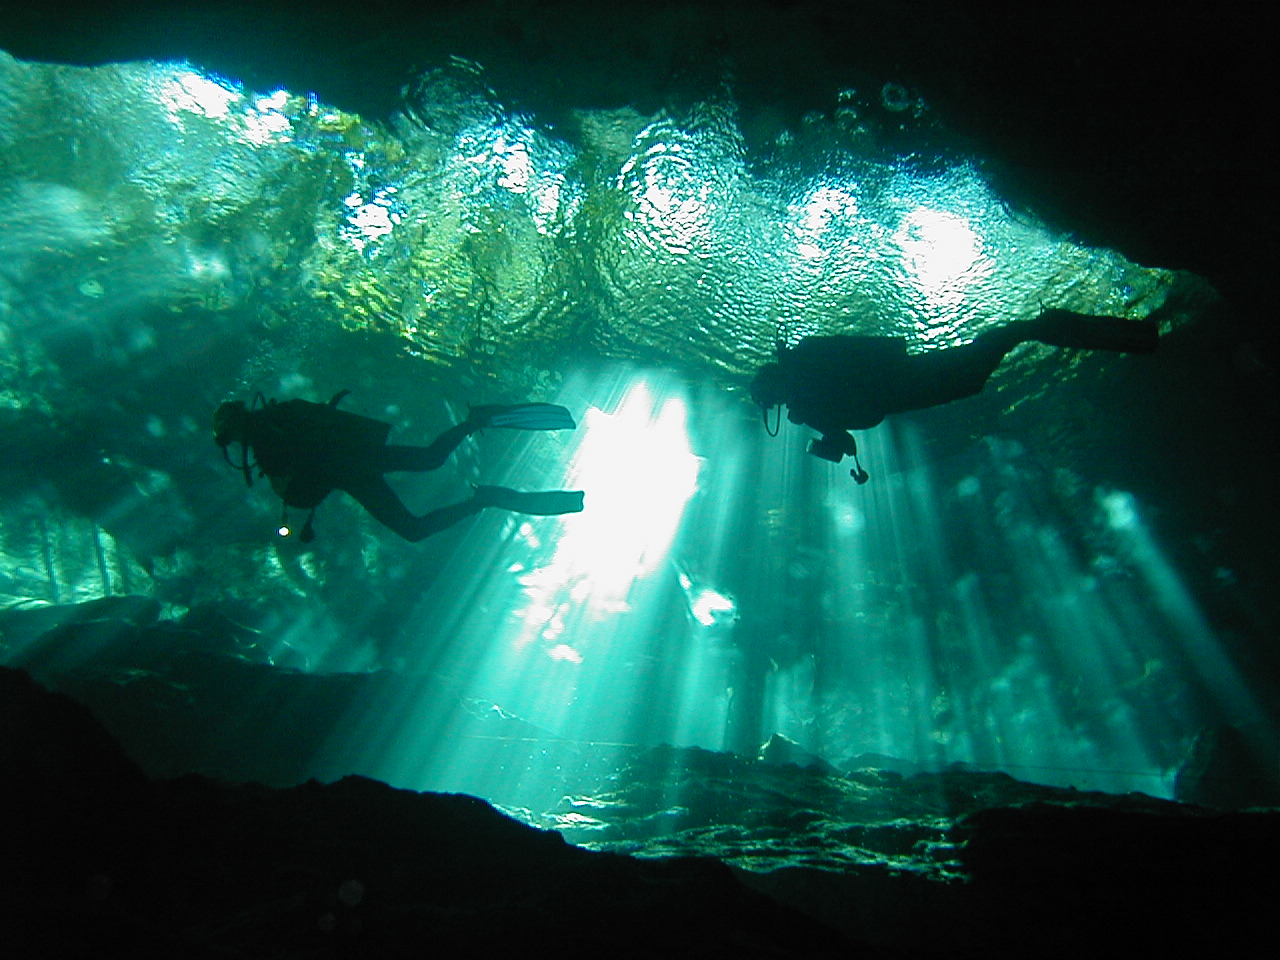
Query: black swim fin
[523, 416]
[547, 503]
[1062, 328]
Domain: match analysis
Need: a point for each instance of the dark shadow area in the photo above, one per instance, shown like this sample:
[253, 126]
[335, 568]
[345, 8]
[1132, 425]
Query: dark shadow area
[959, 863]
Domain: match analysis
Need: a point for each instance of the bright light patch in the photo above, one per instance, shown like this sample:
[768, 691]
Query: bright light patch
[275, 101]
[1121, 511]
[680, 216]
[262, 121]
[520, 175]
[190, 92]
[706, 606]
[548, 200]
[670, 195]
[517, 159]
[516, 166]
[207, 265]
[709, 608]
[640, 472]
[562, 651]
[372, 220]
[942, 254]
[816, 218]
[266, 122]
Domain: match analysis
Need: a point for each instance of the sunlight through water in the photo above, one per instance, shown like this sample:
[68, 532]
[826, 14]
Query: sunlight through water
[637, 463]
[560, 631]
[1010, 589]
[944, 621]
[942, 254]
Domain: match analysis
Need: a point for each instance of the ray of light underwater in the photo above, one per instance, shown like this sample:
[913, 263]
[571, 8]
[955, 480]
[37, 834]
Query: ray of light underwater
[721, 587]
[977, 601]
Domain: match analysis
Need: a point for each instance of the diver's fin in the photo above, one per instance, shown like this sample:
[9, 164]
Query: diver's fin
[1062, 328]
[523, 416]
[548, 503]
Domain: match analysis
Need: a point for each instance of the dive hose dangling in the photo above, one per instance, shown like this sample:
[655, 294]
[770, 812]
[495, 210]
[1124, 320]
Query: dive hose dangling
[777, 425]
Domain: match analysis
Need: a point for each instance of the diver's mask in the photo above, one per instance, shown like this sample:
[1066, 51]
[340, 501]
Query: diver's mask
[229, 422]
[230, 425]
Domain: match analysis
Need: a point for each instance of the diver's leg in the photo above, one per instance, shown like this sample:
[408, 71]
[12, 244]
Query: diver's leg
[1062, 328]
[376, 496]
[940, 376]
[542, 503]
[402, 459]
[373, 493]
[527, 416]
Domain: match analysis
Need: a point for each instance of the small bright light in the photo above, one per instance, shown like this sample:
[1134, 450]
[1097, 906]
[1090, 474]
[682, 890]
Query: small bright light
[275, 101]
[517, 167]
[711, 608]
[192, 93]
[670, 195]
[372, 220]
[207, 265]
[553, 204]
[564, 652]
[823, 223]
[369, 221]
[681, 216]
[1121, 510]
[822, 209]
[262, 121]
[283, 530]
[266, 123]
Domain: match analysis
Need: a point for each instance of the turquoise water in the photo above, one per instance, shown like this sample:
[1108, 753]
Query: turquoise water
[1009, 590]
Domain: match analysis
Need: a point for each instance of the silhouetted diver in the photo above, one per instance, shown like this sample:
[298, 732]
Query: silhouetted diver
[837, 384]
[307, 450]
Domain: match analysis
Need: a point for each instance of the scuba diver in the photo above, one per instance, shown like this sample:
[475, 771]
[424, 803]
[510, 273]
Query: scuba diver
[838, 384]
[307, 450]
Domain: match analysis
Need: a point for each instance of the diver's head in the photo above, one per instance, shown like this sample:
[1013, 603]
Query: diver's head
[230, 423]
[768, 390]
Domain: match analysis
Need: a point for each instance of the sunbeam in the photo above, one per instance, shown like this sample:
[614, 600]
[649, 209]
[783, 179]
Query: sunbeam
[985, 598]
[562, 626]
[721, 587]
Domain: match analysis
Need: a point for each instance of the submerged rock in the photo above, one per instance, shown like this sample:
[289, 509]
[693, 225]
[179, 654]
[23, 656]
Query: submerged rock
[736, 857]
[1224, 769]
[96, 854]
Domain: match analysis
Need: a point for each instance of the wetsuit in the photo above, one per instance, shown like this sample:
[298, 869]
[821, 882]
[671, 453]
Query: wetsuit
[307, 450]
[840, 383]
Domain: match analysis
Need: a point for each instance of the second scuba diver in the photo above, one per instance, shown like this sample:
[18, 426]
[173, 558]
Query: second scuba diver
[307, 450]
[838, 384]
